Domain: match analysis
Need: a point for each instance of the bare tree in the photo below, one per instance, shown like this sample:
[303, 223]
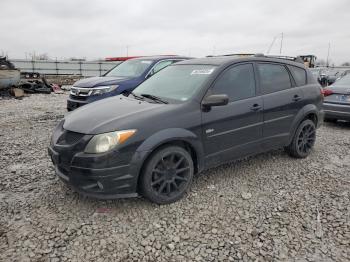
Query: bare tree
[346, 64]
[43, 56]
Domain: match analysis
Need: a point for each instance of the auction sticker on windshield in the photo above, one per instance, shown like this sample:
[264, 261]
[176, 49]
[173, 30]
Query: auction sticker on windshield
[202, 71]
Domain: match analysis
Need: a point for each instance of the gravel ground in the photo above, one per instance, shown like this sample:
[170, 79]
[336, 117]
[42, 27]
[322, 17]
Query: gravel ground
[266, 208]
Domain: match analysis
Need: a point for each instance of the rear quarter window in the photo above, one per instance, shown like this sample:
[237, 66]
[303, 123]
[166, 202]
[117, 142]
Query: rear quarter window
[273, 78]
[299, 75]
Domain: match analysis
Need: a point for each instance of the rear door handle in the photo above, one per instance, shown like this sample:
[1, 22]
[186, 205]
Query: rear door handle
[255, 107]
[296, 98]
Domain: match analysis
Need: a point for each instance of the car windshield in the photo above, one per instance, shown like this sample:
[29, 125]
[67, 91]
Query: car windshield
[130, 68]
[345, 80]
[177, 83]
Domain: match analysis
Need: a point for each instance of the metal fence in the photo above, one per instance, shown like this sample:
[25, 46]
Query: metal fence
[53, 67]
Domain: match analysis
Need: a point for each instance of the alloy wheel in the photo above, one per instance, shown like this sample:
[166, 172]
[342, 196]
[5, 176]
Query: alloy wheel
[306, 139]
[170, 175]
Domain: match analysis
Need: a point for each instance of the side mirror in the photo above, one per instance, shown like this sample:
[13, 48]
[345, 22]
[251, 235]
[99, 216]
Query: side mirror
[215, 100]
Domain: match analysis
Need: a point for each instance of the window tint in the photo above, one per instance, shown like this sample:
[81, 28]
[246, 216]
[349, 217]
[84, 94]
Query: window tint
[345, 80]
[176, 82]
[160, 66]
[130, 68]
[237, 82]
[273, 78]
[299, 75]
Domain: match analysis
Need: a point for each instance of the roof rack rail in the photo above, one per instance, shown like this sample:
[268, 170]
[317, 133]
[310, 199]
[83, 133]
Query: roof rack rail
[241, 54]
[297, 59]
[291, 58]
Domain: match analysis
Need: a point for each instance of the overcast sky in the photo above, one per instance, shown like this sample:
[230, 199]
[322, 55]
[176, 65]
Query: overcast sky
[103, 28]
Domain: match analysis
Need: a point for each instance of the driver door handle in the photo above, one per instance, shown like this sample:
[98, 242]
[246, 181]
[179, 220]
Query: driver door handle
[296, 98]
[255, 107]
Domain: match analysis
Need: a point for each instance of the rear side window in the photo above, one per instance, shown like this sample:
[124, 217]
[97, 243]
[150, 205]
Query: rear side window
[237, 82]
[273, 78]
[299, 75]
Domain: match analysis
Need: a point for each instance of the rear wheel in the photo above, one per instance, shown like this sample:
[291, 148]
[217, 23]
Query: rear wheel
[167, 175]
[303, 140]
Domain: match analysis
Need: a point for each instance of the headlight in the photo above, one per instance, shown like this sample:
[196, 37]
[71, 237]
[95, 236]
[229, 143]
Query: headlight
[103, 89]
[104, 142]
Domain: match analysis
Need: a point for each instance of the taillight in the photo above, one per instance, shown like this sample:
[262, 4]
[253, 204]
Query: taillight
[326, 92]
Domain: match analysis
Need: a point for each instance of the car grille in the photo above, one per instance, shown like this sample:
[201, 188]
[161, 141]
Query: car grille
[69, 138]
[82, 98]
[76, 91]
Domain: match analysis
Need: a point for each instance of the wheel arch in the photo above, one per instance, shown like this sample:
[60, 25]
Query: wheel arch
[173, 136]
[307, 112]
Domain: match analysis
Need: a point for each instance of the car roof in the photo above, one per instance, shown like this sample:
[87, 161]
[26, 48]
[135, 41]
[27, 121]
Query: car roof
[226, 60]
[161, 57]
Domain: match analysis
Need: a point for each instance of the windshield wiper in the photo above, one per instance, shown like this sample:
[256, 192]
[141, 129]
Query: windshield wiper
[137, 96]
[155, 98]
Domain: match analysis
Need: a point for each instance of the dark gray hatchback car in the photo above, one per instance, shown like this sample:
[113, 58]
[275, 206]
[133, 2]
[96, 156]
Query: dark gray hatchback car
[189, 117]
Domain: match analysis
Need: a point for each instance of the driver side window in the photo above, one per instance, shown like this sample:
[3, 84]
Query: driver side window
[237, 82]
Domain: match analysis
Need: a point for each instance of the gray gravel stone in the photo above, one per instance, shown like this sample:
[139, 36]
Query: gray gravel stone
[300, 210]
[246, 195]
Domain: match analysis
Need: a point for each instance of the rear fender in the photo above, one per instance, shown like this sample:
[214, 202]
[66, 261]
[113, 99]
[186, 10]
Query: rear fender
[306, 110]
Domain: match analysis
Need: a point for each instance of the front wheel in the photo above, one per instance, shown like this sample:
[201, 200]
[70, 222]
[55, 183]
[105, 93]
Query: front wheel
[303, 140]
[167, 175]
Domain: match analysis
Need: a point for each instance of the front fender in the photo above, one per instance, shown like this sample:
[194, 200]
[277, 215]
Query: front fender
[163, 137]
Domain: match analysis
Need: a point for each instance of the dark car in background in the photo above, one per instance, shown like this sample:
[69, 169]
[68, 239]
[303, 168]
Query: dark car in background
[122, 79]
[325, 76]
[191, 116]
[337, 100]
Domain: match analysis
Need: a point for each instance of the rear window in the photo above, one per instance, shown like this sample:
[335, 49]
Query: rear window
[345, 80]
[299, 75]
[273, 78]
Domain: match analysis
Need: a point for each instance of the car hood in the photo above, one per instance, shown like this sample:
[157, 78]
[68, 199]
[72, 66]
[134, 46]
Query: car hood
[99, 81]
[108, 115]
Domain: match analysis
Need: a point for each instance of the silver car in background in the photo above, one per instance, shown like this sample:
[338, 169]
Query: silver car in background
[337, 100]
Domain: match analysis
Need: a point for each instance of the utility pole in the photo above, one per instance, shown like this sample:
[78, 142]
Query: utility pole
[127, 50]
[329, 47]
[281, 43]
[273, 41]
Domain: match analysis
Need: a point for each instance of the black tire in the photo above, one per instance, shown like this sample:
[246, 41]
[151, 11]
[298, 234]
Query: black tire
[303, 140]
[167, 175]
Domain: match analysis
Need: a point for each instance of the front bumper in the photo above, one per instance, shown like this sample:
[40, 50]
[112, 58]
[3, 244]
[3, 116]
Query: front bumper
[75, 103]
[336, 111]
[101, 183]
[104, 176]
